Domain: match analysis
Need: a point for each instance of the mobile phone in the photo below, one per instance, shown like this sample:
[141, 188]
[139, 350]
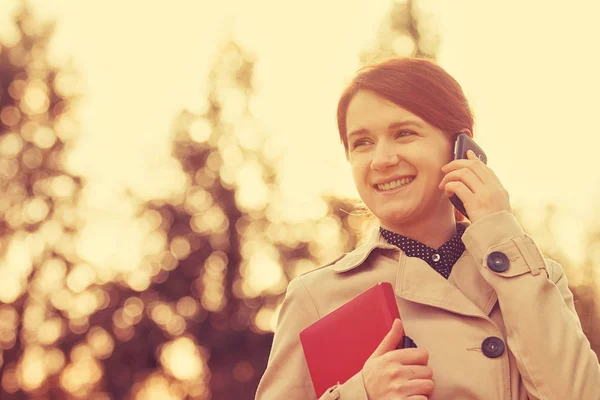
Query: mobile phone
[463, 144]
[406, 343]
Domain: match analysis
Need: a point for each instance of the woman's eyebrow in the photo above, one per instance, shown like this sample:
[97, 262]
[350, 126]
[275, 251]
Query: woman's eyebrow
[393, 125]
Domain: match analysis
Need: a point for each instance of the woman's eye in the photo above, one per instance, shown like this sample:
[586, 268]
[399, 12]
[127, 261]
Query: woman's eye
[404, 133]
[359, 143]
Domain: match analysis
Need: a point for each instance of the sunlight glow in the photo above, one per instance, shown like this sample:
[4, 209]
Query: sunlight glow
[17, 265]
[187, 307]
[182, 359]
[200, 130]
[156, 387]
[50, 331]
[36, 99]
[263, 273]
[101, 342]
[11, 144]
[32, 368]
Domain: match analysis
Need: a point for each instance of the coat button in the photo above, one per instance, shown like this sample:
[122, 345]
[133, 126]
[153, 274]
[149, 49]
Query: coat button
[492, 347]
[498, 261]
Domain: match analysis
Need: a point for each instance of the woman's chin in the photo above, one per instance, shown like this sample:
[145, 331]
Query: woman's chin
[395, 216]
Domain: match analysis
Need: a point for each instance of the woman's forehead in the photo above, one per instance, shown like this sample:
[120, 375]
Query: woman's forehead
[367, 110]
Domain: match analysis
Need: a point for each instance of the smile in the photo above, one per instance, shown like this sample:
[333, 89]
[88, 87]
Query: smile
[394, 184]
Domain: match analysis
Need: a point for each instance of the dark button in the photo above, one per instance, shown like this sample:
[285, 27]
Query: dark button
[498, 261]
[492, 347]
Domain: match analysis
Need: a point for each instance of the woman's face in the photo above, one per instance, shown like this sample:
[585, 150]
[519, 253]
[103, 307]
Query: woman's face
[396, 161]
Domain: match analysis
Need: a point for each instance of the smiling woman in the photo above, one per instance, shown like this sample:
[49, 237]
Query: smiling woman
[431, 100]
[460, 285]
[396, 170]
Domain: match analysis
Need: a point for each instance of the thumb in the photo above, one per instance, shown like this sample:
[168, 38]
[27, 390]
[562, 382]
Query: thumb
[391, 340]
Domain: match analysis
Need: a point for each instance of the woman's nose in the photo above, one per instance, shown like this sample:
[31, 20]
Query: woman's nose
[385, 156]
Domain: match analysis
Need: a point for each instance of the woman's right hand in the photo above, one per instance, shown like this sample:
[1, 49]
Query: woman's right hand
[397, 374]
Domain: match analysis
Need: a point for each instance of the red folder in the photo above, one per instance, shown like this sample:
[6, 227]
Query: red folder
[337, 346]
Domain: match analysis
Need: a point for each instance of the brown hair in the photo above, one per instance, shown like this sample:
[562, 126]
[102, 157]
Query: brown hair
[418, 85]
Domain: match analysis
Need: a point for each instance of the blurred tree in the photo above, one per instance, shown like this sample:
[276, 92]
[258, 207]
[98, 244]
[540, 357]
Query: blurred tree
[228, 241]
[37, 209]
[408, 29]
[234, 250]
[229, 249]
[208, 226]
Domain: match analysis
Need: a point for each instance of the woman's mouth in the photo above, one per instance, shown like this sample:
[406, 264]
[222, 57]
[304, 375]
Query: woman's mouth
[394, 185]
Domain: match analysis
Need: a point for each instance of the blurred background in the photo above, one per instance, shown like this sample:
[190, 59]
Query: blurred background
[166, 168]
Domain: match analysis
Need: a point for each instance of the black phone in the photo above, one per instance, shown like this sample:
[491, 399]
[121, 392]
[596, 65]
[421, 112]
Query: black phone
[406, 343]
[463, 144]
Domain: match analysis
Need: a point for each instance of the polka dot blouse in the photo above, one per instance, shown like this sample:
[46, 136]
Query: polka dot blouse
[442, 260]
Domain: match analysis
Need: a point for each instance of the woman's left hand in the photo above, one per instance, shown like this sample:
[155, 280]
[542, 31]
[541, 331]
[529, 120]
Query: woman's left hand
[476, 185]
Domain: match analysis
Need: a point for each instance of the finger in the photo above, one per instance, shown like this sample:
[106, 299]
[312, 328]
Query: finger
[477, 166]
[412, 356]
[416, 372]
[459, 189]
[456, 164]
[471, 154]
[481, 165]
[421, 372]
[423, 387]
[391, 339]
[465, 176]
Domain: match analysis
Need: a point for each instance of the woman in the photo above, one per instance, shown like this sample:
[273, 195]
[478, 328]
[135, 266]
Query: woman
[492, 317]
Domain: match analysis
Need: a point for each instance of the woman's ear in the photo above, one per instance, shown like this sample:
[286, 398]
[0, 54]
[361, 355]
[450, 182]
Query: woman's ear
[467, 132]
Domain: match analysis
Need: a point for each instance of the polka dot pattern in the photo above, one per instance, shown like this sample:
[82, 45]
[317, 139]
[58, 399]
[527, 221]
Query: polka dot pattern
[442, 260]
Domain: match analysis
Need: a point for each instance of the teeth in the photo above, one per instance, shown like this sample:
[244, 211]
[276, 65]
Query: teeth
[394, 184]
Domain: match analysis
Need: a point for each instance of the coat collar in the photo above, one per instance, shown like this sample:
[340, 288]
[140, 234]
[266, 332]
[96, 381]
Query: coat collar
[359, 255]
[374, 241]
[466, 292]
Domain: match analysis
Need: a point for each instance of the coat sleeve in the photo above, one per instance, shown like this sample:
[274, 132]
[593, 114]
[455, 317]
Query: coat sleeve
[554, 358]
[287, 375]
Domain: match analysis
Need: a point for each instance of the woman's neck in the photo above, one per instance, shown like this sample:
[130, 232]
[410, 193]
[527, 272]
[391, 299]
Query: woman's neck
[433, 231]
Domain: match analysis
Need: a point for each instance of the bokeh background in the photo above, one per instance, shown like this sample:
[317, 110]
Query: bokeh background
[167, 167]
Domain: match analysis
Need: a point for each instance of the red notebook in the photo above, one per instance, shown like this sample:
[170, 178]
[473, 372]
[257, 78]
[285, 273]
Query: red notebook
[337, 346]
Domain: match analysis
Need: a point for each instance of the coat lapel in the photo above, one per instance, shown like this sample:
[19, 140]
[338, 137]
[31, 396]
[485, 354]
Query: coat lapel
[467, 278]
[465, 292]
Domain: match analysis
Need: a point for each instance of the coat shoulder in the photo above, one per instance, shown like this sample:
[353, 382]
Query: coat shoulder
[555, 270]
[323, 268]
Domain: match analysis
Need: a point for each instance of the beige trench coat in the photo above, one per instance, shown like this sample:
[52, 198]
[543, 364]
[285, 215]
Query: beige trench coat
[529, 307]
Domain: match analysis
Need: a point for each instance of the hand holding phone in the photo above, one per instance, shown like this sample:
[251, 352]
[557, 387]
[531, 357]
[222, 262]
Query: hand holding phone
[463, 144]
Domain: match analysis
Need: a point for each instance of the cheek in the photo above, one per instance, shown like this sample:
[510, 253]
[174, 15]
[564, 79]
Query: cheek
[360, 169]
[357, 176]
[439, 158]
[431, 170]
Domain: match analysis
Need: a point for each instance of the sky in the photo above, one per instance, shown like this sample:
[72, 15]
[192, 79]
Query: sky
[529, 70]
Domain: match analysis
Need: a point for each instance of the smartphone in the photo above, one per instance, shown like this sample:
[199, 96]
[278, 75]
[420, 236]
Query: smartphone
[463, 144]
